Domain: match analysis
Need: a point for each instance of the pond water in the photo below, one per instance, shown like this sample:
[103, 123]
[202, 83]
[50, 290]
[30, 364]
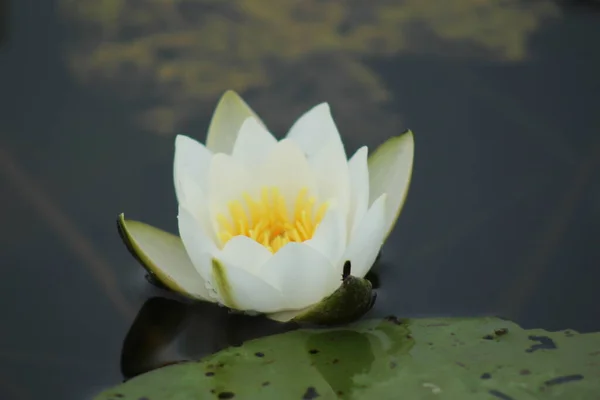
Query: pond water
[503, 215]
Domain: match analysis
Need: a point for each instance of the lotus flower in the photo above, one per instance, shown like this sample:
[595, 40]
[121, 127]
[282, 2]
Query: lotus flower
[267, 226]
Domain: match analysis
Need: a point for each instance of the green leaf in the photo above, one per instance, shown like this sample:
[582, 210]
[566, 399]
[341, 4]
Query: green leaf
[467, 358]
[390, 171]
[229, 115]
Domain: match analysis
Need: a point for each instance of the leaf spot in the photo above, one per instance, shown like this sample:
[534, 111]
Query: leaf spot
[393, 319]
[545, 343]
[311, 393]
[500, 395]
[501, 331]
[524, 372]
[563, 379]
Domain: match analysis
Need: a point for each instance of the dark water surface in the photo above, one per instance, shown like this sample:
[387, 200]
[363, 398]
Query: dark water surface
[503, 216]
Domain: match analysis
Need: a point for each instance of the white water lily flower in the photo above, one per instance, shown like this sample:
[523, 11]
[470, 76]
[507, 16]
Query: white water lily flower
[266, 225]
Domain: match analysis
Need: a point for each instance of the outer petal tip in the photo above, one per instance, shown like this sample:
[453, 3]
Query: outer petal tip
[229, 115]
[229, 93]
[323, 106]
[184, 140]
[315, 128]
[179, 137]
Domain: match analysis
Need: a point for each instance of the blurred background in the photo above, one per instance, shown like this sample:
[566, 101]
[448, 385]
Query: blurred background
[503, 215]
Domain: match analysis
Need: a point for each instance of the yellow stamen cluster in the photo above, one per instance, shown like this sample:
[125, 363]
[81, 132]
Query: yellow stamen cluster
[268, 221]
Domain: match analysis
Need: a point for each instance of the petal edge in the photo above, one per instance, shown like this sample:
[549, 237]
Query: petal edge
[390, 171]
[162, 254]
[227, 119]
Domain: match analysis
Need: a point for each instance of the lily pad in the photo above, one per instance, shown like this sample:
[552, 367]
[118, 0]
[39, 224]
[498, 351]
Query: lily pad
[171, 330]
[466, 358]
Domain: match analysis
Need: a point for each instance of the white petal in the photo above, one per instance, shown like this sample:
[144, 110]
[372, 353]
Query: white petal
[243, 290]
[302, 274]
[359, 188]
[245, 253]
[287, 169]
[195, 201]
[365, 244]
[314, 128]
[286, 315]
[198, 246]
[230, 114]
[390, 170]
[191, 164]
[330, 168]
[330, 237]
[164, 254]
[229, 284]
[253, 143]
[228, 181]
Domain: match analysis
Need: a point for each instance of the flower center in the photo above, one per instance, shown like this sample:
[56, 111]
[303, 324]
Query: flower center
[267, 219]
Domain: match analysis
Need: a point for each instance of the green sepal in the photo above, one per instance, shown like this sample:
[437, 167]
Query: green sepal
[353, 299]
